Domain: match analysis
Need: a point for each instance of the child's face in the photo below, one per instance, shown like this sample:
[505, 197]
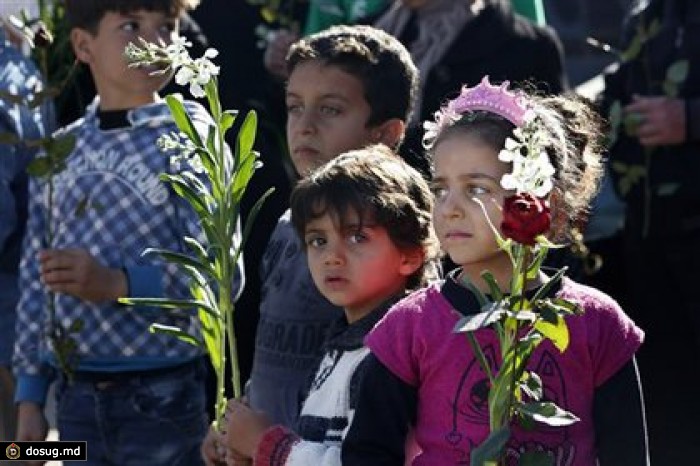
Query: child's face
[467, 169]
[357, 269]
[118, 85]
[327, 115]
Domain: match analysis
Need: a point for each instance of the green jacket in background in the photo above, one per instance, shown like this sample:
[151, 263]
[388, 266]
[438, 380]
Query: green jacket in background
[531, 9]
[326, 13]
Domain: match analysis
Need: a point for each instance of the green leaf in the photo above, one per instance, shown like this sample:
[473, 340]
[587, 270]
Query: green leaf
[82, 206]
[203, 267]
[474, 322]
[208, 161]
[9, 138]
[533, 268]
[76, 326]
[212, 139]
[548, 413]
[678, 71]
[166, 303]
[631, 122]
[182, 118]
[195, 268]
[558, 333]
[635, 47]
[42, 97]
[670, 88]
[211, 331]
[228, 117]
[547, 287]
[185, 191]
[494, 289]
[535, 458]
[39, 167]
[630, 175]
[196, 248]
[492, 448]
[615, 120]
[176, 332]
[561, 306]
[243, 176]
[246, 136]
[531, 384]
[14, 99]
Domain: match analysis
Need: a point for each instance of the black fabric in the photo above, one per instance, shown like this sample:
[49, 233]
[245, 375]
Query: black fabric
[113, 119]
[464, 301]
[662, 227]
[618, 417]
[386, 408]
[347, 337]
[678, 39]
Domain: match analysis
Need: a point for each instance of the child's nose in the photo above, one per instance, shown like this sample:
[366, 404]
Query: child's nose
[333, 255]
[307, 122]
[451, 205]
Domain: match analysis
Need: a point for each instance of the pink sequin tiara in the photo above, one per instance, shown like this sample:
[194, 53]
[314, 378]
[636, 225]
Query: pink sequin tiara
[511, 105]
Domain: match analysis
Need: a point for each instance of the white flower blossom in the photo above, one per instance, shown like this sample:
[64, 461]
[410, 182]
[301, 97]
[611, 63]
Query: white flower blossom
[532, 170]
[443, 118]
[195, 73]
[184, 152]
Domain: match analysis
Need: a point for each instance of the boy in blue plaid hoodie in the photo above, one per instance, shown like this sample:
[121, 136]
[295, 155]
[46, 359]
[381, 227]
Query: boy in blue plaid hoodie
[135, 396]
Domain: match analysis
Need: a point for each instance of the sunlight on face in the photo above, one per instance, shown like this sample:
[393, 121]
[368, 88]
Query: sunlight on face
[357, 266]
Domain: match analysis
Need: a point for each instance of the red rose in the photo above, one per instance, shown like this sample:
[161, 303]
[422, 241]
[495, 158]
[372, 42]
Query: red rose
[525, 217]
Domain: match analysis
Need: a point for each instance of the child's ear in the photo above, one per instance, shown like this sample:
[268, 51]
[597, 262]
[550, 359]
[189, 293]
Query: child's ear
[389, 133]
[412, 261]
[81, 40]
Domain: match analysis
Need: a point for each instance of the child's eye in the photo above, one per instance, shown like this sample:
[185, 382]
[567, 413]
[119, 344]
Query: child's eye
[168, 28]
[476, 190]
[439, 192]
[315, 241]
[358, 237]
[130, 26]
[331, 111]
[293, 108]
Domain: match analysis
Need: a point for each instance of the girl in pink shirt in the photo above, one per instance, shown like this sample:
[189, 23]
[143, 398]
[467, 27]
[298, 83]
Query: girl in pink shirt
[423, 375]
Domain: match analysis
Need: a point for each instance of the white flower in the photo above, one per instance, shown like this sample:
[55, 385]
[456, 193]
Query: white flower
[195, 73]
[443, 118]
[184, 152]
[532, 170]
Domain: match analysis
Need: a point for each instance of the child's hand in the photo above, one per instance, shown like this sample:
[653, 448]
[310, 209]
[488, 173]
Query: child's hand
[31, 426]
[244, 428]
[213, 449]
[77, 273]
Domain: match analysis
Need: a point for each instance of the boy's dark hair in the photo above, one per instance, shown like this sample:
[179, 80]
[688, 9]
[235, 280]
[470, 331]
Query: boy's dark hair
[86, 14]
[377, 59]
[382, 189]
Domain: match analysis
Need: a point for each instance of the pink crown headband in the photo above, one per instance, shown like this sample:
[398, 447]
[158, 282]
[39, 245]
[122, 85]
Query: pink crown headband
[513, 106]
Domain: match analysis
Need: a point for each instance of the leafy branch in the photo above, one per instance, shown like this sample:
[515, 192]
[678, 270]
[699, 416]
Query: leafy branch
[210, 266]
[50, 45]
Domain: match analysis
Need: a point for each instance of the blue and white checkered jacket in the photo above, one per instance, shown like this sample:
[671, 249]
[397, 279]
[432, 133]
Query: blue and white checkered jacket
[110, 201]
